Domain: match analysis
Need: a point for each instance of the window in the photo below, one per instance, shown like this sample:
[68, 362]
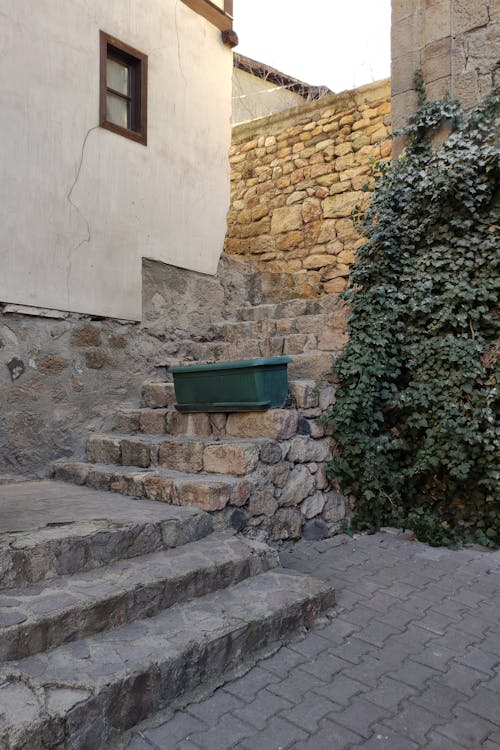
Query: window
[123, 89]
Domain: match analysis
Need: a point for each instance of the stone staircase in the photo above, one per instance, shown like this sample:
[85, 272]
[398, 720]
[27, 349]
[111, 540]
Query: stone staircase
[113, 608]
[262, 473]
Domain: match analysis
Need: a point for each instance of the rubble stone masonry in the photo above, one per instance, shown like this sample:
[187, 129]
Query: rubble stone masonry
[296, 178]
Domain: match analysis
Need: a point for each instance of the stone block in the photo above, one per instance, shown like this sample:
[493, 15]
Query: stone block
[305, 393]
[158, 395]
[104, 450]
[332, 340]
[326, 396]
[317, 261]
[299, 485]
[335, 507]
[277, 424]
[209, 496]
[153, 421]
[286, 219]
[262, 503]
[336, 285]
[279, 474]
[313, 505]
[181, 455]
[339, 206]
[159, 488]
[226, 458]
[189, 424]
[136, 453]
[128, 484]
[304, 449]
[311, 210]
[287, 524]
[470, 14]
[271, 453]
[87, 335]
[436, 60]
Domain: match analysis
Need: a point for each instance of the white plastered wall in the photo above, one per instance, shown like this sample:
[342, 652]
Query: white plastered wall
[81, 206]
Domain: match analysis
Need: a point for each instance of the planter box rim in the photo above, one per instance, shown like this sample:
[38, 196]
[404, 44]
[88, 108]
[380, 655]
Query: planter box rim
[231, 365]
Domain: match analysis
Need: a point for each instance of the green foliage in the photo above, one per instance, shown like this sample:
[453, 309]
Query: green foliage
[417, 399]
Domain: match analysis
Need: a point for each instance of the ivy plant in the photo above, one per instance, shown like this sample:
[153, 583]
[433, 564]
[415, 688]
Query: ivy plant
[417, 441]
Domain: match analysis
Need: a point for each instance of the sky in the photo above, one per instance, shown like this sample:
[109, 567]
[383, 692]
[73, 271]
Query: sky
[341, 44]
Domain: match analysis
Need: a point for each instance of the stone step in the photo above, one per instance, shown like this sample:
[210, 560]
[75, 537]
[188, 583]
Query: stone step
[184, 454]
[267, 327]
[290, 308]
[271, 346]
[37, 619]
[273, 424]
[209, 492]
[68, 529]
[84, 694]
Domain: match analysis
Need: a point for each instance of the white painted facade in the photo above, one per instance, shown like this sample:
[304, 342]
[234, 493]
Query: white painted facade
[80, 206]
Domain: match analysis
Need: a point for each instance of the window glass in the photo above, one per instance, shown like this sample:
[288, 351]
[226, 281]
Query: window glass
[118, 75]
[118, 111]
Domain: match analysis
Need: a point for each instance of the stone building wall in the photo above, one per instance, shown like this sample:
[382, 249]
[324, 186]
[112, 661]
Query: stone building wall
[297, 176]
[454, 42]
[65, 375]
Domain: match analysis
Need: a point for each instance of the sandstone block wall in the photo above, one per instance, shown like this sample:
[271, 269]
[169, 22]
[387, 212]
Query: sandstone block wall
[454, 42]
[296, 178]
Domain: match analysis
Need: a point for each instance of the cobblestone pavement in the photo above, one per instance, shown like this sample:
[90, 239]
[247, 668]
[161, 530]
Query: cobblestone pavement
[411, 661]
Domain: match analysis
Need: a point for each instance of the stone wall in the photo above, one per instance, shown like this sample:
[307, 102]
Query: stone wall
[454, 42]
[64, 375]
[297, 176]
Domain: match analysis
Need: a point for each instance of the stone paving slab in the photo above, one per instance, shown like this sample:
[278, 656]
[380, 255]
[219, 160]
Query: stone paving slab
[411, 661]
[83, 693]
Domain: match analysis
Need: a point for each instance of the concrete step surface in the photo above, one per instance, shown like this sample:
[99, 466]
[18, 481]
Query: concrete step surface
[51, 529]
[208, 492]
[83, 694]
[38, 618]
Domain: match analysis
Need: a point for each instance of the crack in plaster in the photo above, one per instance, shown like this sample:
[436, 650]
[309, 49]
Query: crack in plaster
[86, 239]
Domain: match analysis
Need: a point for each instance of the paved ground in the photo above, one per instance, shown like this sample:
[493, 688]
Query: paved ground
[411, 661]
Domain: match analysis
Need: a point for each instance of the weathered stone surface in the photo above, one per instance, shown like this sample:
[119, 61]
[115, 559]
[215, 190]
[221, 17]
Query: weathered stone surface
[158, 395]
[51, 364]
[205, 495]
[181, 455]
[153, 421]
[271, 453]
[136, 452]
[303, 449]
[304, 392]
[278, 424]
[286, 219]
[104, 450]
[227, 458]
[87, 335]
[313, 505]
[262, 502]
[189, 424]
[299, 485]
[287, 524]
[340, 206]
[159, 488]
[315, 530]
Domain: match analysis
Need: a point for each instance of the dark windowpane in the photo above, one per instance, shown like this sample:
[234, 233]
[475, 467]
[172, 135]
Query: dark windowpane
[118, 110]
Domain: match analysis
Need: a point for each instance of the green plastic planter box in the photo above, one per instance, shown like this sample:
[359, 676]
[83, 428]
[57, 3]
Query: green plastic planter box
[246, 385]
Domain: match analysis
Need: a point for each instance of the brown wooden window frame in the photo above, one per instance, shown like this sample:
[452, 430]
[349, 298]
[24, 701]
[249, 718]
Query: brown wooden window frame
[222, 19]
[137, 63]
